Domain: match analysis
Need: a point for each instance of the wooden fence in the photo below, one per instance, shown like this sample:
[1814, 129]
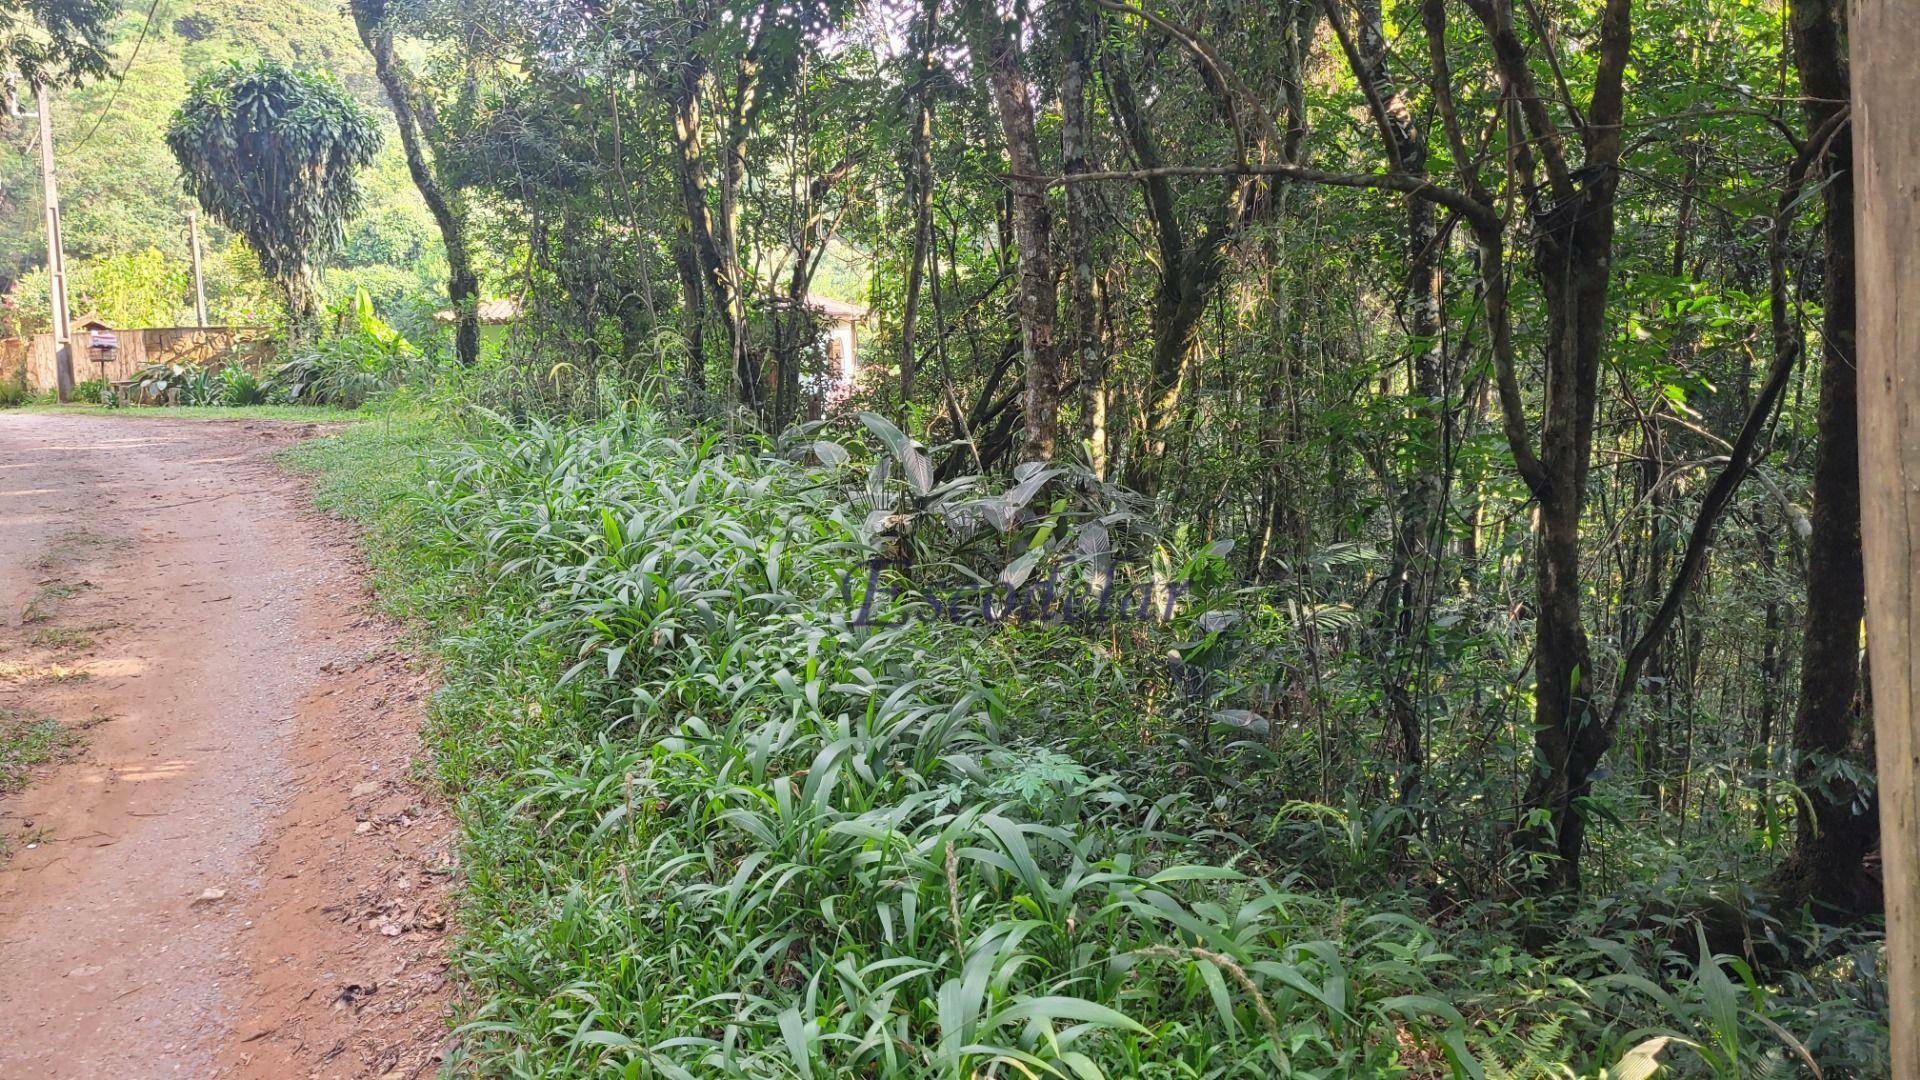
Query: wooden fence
[210, 347]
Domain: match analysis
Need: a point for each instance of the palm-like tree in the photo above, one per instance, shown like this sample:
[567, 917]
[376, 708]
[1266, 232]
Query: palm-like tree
[272, 152]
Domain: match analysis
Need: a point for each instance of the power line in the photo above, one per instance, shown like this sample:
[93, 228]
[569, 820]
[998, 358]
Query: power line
[122, 81]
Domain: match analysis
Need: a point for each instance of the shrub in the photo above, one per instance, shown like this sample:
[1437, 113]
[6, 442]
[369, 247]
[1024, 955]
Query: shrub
[90, 391]
[364, 359]
[13, 389]
[162, 381]
[238, 386]
[725, 830]
[201, 388]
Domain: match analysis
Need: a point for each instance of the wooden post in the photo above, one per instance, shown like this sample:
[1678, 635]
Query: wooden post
[56, 255]
[1886, 138]
[199, 282]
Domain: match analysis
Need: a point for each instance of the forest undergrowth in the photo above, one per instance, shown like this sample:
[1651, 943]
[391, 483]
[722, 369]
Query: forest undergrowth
[728, 811]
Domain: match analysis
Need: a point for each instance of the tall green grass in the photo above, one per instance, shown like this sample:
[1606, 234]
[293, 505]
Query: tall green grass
[711, 827]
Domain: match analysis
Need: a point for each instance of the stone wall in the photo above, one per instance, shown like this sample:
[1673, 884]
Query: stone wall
[211, 347]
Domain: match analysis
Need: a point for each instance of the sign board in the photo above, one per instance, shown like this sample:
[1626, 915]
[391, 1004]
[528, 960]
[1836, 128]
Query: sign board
[103, 339]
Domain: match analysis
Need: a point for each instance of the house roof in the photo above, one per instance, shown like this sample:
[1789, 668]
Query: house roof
[503, 309]
[835, 309]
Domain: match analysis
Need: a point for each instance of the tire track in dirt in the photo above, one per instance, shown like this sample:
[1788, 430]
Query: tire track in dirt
[236, 876]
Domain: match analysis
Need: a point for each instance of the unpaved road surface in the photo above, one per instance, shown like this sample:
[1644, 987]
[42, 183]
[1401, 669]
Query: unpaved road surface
[234, 874]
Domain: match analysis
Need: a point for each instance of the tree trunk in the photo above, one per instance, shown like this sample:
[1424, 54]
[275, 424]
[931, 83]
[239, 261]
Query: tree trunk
[708, 246]
[1178, 303]
[693, 308]
[303, 306]
[919, 192]
[1189, 271]
[463, 285]
[748, 376]
[1082, 343]
[1887, 142]
[1412, 567]
[996, 49]
[1837, 826]
[1573, 262]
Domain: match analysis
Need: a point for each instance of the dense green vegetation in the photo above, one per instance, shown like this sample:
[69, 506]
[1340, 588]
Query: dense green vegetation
[1468, 384]
[715, 826]
[1507, 353]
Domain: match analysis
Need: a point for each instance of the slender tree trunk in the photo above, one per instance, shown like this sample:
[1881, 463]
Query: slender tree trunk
[1769, 678]
[708, 244]
[463, 285]
[1189, 271]
[749, 377]
[919, 191]
[1414, 554]
[1082, 340]
[1279, 405]
[1573, 258]
[1651, 580]
[1837, 826]
[1657, 497]
[1179, 302]
[693, 307]
[997, 50]
[1279, 521]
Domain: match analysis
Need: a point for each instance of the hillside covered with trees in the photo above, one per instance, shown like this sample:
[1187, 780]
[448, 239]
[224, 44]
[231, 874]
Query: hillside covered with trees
[125, 214]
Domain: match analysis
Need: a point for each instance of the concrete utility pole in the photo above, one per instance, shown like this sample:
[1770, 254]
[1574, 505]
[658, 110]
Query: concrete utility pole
[199, 283]
[56, 257]
[1886, 153]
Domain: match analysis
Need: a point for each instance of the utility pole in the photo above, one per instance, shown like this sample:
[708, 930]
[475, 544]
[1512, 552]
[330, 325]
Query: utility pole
[199, 283]
[1886, 141]
[56, 257]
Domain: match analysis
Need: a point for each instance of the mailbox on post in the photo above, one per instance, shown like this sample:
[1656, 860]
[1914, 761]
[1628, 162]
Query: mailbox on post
[103, 344]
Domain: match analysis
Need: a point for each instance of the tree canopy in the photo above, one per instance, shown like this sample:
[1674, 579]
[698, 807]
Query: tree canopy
[273, 152]
[54, 42]
[1548, 297]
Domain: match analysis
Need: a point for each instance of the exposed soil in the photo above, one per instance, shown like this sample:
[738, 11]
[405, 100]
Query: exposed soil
[236, 875]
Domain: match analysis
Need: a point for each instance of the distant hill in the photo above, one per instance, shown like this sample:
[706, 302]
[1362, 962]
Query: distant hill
[120, 188]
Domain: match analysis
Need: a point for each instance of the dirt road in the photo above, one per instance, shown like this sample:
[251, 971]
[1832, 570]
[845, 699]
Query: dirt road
[233, 875]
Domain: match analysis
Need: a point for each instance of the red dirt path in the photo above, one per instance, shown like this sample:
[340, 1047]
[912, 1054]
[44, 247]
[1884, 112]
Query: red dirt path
[236, 875]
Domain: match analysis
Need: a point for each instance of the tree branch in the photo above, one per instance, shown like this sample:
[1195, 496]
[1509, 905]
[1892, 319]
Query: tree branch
[1471, 209]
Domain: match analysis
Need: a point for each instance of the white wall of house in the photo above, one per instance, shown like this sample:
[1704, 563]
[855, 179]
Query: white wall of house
[841, 345]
